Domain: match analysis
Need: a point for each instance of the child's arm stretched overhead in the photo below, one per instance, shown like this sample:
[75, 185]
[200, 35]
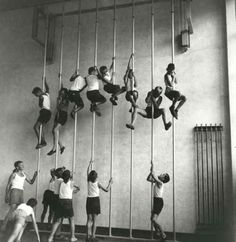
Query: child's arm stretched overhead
[46, 86]
[129, 62]
[35, 226]
[149, 177]
[112, 65]
[8, 187]
[107, 188]
[31, 181]
[89, 167]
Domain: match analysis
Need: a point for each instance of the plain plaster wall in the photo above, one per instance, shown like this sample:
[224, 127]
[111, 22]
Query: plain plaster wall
[202, 78]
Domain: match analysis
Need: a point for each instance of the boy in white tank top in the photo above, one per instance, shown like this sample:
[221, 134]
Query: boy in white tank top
[44, 115]
[158, 202]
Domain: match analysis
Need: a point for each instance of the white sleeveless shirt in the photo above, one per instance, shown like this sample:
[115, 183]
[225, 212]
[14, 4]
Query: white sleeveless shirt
[18, 182]
[93, 189]
[93, 82]
[158, 189]
[66, 191]
[46, 101]
[78, 84]
[57, 184]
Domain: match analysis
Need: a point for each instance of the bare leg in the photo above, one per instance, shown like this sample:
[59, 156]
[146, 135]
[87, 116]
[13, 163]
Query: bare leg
[72, 228]
[17, 229]
[7, 217]
[54, 229]
[157, 226]
[21, 233]
[45, 208]
[133, 119]
[94, 225]
[37, 129]
[163, 114]
[50, 216]
[182, 100]
[89, 225]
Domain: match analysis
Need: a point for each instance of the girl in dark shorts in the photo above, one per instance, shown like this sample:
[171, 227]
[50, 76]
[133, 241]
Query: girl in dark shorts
[65, 207]
[174, 95]
[48, 199]
[157, 200]
[60, 119]
[15, 189]
[93, 201]
[44, 114]
[154, 99]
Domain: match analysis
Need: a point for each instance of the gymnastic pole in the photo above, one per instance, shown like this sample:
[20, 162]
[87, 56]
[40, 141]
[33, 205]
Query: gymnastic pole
[173, 121]
[43, 87]
[60, 76]
[95, 64]
[152, 86]
[131, 132]
[112, 114]
[77, 72]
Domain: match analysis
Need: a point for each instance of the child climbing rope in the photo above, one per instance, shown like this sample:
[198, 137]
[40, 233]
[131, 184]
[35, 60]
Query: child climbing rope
[175, 96]
[23, 211]
[78, 85]
[106, 75]
[48, 198]
[44, 114]
[93, 94]
[158, 202]
[154, 99]
[60, 119]
[65, 206]
[93, 201]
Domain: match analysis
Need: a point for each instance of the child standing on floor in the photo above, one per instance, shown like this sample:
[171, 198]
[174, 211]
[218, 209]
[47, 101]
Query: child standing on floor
[93, 94]
[93, 201]
[60, 119]
[158, 202]
[19, 218]
[44, 114]
[154, 99]
[15, 189]
[65, 207]
[175, 96]
[48, 198]
[106, 75]
[78, 85]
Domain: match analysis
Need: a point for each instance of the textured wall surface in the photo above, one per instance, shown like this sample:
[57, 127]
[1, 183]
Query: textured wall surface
[202, 78]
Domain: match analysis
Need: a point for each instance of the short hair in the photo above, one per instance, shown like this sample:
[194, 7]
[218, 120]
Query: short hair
[36, 90]
[16, 163]
[66, 176]
[170, 67]
[92, 176]
[166, 178]
[91, 69]
[102, 68]
[58, 171]
[32, 202]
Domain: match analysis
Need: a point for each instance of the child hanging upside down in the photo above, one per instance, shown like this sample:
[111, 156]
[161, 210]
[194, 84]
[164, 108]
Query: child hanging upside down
[60, 119]
[44, 115]
[93, 201]
[93, 94]
[19, 217]
[157, 200]
[106, 75]
[154, 99]
[76, 88]
[173, 95]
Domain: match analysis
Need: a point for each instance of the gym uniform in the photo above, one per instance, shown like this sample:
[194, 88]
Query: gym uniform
[109, 87]
[22, 212]
[74, 92]
[148, 100]
[170, 92]
[48, 196]
[61, 115]
[130, 90]
[17, 188]
[158, 202]
[65, 206]
[93, 93]
[57, 185]
[93, 200]
[45, 113]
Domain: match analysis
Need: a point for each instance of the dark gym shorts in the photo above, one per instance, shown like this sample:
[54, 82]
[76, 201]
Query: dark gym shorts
[93, 205]
[74, 97]
[48, 197]
[157, 205]
[61, 117]
[111, 88]
[172, 94]
[16, 196]
[65, 208]
[156, 112]
[44, 116]
[131, 93]
[95, 96]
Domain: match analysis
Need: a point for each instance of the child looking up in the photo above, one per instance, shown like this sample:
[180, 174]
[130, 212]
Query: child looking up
[44, 114]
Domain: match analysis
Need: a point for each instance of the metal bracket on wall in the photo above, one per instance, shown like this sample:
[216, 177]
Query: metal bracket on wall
[38, 30]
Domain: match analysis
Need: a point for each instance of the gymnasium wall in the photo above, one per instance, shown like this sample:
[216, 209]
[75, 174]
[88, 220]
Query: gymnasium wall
[201, 72]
